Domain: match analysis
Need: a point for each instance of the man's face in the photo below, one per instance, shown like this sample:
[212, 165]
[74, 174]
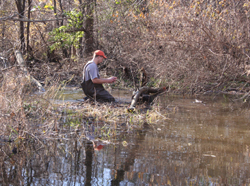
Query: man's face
[100, 59]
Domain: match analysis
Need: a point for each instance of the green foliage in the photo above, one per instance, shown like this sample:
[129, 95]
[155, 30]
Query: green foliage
[117, 2]
[73, 122]
[153, 82]
[64, 37]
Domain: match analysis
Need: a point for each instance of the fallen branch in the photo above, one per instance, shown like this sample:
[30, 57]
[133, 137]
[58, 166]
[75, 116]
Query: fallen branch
[136, 96]
[11, 18]
[146, 94]
[23, 67]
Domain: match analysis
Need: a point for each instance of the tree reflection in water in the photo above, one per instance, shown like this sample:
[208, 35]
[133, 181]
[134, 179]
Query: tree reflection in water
[129, 160]
[88, 162]
[199, 145]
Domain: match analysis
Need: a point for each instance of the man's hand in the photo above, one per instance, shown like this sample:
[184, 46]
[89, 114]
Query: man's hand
[112, 79]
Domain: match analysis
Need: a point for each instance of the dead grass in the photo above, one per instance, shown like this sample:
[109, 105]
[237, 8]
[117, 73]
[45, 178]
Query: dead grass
[28, 115]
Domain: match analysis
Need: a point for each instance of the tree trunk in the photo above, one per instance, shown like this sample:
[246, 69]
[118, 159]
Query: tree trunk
[61, 7]
[80, 50]
[55, 11]
[3, 36]
[89, 25]
[20, 4]
[28, 30]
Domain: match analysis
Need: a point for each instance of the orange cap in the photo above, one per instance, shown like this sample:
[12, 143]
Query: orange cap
[100, 53]
[99, 147]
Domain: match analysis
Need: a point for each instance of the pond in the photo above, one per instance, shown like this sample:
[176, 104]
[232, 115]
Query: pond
[204, 141]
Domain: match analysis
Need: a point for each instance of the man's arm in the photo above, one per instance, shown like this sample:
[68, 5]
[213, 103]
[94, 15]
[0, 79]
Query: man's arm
[104, 80]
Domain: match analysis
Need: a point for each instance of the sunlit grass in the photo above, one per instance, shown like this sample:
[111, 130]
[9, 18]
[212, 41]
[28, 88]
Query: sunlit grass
[25, 114]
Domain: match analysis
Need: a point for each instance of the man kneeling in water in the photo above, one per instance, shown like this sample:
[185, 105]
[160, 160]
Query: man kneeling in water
[92, 83]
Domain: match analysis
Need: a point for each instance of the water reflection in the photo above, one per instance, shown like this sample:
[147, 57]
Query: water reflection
[75, 95]
[200, 144]
[88, 162]
[128, 158]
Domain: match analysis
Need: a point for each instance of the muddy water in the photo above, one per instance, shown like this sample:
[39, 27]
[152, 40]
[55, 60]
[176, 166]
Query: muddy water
[75, 95]
[200, 144]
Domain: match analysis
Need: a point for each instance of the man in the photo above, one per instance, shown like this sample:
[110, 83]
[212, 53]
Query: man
[92, 82]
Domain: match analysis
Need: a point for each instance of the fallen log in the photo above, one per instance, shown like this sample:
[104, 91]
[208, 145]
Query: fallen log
[145, 94]
[23, 67]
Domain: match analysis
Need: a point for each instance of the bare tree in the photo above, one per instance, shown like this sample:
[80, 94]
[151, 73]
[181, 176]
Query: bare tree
[80, 51]
[55, 11]
[89, 25]
[28, 28]
[61, 7]
[20, 4]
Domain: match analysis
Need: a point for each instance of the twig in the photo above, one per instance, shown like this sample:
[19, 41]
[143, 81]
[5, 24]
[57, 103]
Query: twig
[246, 54]
[215, 53]
[162, 115]
[29, 20]
[34, 137]
[245, 95]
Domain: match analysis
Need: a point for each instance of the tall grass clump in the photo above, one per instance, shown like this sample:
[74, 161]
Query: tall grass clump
[25, 114]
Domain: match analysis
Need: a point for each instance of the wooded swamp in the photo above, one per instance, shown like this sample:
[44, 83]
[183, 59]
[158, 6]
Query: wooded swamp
[201, 140]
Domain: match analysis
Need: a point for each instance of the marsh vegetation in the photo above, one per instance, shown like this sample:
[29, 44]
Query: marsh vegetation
[190, 47]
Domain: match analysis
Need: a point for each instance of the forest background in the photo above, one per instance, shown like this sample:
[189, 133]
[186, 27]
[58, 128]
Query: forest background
[188, 46]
